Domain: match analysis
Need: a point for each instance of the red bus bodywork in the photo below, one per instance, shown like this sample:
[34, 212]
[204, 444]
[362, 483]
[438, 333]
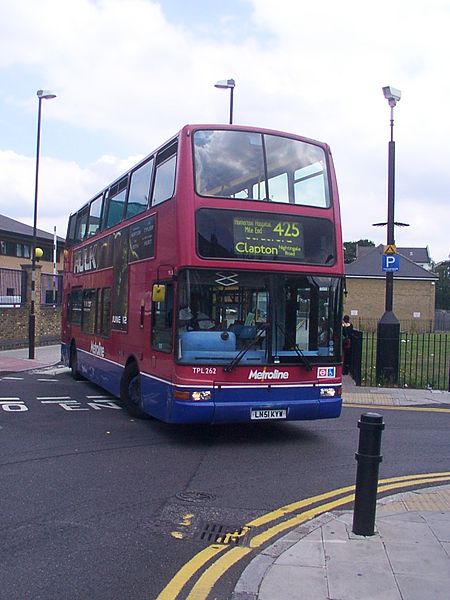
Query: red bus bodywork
[156, 380]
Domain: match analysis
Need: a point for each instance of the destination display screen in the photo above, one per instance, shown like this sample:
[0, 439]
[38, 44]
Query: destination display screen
[246, 235]
[256, 236]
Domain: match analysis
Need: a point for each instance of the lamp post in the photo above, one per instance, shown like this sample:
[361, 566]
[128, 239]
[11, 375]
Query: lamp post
[42, 95]
[226, 84]
[388, 330]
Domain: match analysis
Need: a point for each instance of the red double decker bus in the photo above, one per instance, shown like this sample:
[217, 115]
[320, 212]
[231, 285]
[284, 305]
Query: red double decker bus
[205, 285]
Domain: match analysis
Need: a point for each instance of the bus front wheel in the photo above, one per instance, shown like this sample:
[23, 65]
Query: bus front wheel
[130, 392]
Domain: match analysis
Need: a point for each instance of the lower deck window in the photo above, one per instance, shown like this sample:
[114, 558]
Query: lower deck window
[91, 309]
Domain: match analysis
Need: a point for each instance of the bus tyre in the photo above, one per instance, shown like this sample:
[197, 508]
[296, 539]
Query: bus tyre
[74, 364]
[130, 392]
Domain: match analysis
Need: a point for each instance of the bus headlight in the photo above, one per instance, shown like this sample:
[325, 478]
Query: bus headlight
[201, 396]
[327, 392]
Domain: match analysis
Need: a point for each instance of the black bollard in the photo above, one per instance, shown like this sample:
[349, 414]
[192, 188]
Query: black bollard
[368, 457]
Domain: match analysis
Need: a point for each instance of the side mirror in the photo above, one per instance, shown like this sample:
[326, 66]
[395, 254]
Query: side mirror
[158, 292]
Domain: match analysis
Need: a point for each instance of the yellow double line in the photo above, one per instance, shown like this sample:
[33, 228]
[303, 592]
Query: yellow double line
[222, 557]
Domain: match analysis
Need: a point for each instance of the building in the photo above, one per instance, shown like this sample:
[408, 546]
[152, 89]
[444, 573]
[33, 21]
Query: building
[414, 289]
[16, 240]
[420, 256]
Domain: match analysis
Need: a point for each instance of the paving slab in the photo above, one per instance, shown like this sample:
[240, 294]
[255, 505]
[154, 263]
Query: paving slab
[295, 583]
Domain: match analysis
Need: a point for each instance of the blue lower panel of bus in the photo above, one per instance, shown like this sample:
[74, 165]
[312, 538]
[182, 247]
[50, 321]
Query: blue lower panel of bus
[298, 404]
[105, 373]
[240, 412]
[244, 405]
[228, 404]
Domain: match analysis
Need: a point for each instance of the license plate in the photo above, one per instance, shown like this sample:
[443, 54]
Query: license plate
[267, 414]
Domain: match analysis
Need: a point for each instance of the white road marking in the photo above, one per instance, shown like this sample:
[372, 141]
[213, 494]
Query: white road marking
[53, 398]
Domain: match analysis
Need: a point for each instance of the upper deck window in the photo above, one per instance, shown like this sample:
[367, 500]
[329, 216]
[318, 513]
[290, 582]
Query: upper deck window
[248, 165]
[166, 162]
[70, 236]
[95, 212]
[116, 201]
[81, 223]
[139, 189]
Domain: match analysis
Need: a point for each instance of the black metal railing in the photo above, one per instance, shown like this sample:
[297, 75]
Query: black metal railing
[424, 359]
[51, 289]
[13, 285]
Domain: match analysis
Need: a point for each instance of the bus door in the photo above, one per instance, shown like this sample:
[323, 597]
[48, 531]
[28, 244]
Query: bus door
[162, 321]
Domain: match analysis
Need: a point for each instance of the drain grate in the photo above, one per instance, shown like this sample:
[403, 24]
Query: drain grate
[224, 534]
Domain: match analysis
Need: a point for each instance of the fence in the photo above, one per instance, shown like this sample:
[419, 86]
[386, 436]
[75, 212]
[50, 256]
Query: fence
[51, 289]
[13, 288]
[424, 359]
[13, 285]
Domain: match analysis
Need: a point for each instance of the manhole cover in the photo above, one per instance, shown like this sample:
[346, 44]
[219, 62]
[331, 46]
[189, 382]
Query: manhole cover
[191, 496]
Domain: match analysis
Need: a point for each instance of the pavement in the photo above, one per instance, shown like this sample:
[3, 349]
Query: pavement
[406, 558]
[17, 361]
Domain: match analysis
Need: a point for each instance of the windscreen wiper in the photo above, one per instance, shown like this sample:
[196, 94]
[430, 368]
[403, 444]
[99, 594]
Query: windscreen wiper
[260, 329]
[296, 347]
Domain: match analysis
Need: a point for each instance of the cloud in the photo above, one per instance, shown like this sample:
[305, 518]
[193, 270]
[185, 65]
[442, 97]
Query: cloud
[63, 186]
[127, 79]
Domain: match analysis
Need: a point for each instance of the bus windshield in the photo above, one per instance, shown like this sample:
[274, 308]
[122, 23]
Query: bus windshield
[266, 319]
[254, 166]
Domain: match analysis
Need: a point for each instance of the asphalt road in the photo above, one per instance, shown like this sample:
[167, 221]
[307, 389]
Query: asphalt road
[98, 506]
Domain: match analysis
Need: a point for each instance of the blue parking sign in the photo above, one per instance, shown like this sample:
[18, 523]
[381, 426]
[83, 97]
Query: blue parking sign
[390, 262]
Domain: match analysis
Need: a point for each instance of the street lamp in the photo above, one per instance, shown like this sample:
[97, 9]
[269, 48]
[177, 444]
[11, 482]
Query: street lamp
[388, 330]
[42, 95]
[226, 84]
[392, 95]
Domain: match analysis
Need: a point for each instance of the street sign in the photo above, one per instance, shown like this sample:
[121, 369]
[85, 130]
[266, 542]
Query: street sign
[390, 262]
[390, 249]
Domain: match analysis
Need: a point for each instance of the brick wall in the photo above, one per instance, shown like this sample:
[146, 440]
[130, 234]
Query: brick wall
[13, 327]
[411, 298]
[48, 327]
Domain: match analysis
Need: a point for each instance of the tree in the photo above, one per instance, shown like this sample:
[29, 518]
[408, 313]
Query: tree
[443, 286]
[350, 249]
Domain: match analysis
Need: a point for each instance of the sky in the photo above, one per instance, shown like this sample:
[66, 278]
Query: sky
[128, 74]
